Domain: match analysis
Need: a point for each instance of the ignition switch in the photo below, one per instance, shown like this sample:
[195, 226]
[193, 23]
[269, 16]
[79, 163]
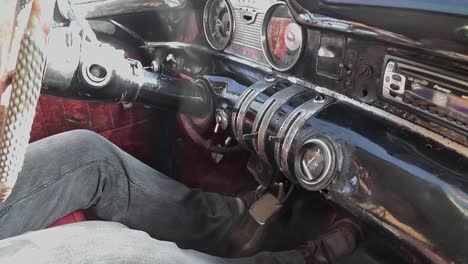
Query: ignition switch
[221, 118]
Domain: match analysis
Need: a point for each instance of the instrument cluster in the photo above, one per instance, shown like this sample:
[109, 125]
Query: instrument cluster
[262, 32]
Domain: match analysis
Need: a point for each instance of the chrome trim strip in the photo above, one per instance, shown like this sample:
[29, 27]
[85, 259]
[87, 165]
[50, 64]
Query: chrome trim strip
[247, 45]
[309, 108]
[281, 98]
[248, 34]
[257, 88]
[292, 117]
[372, 109]
[260, 114]
[236, 106]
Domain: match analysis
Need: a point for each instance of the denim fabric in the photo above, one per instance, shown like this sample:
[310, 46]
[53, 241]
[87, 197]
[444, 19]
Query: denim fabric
[113, 243]
[80, 169]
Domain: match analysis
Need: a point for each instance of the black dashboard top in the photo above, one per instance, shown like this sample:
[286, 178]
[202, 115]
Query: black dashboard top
[455, 7]
[438, 25]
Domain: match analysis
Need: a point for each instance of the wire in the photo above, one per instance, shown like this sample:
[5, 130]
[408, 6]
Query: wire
[291, 189]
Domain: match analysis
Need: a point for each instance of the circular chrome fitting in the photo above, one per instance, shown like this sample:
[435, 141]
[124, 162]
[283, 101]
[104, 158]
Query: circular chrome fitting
[222, 119]
[96, 75]
[316, 163]
[218, 23]
[319, 98]
[270, 78]
[292, 37]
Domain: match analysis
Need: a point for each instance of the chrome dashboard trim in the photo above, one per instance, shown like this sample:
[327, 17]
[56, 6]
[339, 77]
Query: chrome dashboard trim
[372, 109]
[257, 88]
[245, 45]
[239, 102]
[290, 119]
[291, 128]
[247, 32]
[280, 98]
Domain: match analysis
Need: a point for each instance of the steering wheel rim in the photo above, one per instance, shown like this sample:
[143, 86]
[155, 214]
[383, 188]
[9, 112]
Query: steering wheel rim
[25, 90]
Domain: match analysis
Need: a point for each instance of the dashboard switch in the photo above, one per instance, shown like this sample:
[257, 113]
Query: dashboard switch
[221, 119]
[395, 87]
[396, 77]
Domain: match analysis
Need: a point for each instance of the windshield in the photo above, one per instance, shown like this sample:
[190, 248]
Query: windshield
[459, 7]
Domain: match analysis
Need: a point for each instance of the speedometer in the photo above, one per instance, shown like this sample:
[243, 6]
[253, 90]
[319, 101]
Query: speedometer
[218, 23]
[282, 37]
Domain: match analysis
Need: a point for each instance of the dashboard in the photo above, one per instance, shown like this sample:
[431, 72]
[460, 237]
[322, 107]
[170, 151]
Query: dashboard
[395, 79]
[330, 113]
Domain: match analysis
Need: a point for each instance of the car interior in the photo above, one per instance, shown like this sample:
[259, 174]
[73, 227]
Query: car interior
[325, 108]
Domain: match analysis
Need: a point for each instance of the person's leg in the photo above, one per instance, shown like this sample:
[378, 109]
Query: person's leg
[79, 169]
[113, 243]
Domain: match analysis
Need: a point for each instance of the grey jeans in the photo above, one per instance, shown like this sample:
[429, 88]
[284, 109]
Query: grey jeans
[80, 169]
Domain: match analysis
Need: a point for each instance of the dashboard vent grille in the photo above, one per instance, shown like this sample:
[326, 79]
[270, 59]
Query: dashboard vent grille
[248, 34]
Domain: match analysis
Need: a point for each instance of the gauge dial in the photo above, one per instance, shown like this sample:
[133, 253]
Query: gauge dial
[218, 23]
[282, 38]
[313, 162]
[316, 162]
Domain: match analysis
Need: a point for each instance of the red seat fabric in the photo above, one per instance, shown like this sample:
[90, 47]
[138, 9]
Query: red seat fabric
[74, 217]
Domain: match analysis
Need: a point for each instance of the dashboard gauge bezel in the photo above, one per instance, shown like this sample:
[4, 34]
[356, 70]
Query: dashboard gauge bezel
[264, 41]
[205, 23]
[328, 174]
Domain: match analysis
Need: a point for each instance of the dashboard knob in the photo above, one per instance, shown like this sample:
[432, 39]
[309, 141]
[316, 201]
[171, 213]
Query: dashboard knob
[316, 162]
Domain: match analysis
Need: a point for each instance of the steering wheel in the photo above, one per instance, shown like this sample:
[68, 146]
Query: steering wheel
[30, 37]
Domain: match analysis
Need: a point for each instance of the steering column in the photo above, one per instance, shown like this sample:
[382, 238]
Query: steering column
[94, 71]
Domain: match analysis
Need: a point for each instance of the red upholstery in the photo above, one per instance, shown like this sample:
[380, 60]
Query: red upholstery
[74, 217]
